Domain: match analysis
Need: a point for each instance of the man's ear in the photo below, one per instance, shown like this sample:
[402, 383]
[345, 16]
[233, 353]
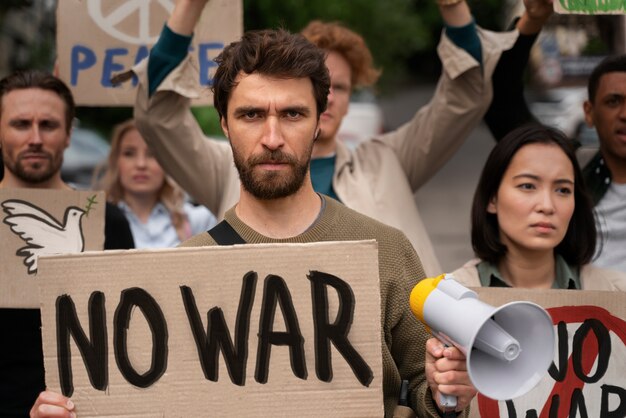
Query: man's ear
[69, 137]
[588, 108]
[224, 126]
[318, 130]
[491, 207]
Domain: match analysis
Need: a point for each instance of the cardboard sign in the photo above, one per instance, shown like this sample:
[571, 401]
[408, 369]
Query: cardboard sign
[97, 39]
[247, 331]
[38, 222]
[587, 377]
[592, 7]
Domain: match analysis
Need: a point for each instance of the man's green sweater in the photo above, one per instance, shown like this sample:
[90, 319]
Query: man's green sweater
[404, 338]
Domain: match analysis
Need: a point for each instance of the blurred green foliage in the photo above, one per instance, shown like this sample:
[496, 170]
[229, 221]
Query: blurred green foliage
[402, 34]
[393, 29]
[596, 46]
[209, 121]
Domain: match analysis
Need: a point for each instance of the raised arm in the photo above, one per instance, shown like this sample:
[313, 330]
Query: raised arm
[167, 84]
[508, 109]
[455, 13]
[185, 16]
[536, 14]
[463, 94]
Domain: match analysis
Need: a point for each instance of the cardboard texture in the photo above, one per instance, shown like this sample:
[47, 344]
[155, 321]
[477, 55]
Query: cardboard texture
[36, 221]
[588, 378]
[215, 276]
[97, 39]
[591, 7]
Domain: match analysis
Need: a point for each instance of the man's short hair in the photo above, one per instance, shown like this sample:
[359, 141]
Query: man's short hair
[273, 53]
[611, 64]
[35, 79]
[332, 36]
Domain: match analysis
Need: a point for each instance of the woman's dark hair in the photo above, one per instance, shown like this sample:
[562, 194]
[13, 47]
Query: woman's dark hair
[578, 245]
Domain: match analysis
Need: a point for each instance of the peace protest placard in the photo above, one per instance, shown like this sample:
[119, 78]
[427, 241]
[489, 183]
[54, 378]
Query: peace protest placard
[587, 377]
[245, 331]
[97, 39]
[594, 7]
[38, 222]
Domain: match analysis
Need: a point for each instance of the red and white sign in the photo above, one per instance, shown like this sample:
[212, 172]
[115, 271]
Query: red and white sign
[588, 375]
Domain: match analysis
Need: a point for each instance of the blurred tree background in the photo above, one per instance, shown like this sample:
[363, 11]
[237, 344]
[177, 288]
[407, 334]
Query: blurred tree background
[27, 29]
[402, 35]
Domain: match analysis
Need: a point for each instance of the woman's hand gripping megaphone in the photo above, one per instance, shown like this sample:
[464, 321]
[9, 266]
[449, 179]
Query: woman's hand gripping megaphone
[447, 377]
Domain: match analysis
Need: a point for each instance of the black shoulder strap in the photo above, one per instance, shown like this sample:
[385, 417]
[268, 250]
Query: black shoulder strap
[224, 234]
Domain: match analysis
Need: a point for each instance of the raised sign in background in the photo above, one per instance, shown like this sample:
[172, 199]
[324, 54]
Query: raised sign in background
[97, 39]
[594, 7]
[294, 331]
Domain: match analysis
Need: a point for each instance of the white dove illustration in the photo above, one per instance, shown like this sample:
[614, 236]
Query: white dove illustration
[43, 233]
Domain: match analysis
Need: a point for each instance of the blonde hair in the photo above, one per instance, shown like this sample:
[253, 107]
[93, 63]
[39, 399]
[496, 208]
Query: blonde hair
[107, 178]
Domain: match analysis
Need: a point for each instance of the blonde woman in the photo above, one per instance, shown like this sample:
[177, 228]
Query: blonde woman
[154, 205]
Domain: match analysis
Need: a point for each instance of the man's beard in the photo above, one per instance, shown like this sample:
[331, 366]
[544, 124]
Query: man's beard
[35, 173]
[271, 184]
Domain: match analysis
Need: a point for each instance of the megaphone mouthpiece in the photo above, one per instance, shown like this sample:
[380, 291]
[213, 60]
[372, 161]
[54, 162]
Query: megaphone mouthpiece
[495, 341]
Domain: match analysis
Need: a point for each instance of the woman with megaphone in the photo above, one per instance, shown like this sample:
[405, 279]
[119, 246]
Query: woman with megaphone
[532, 221]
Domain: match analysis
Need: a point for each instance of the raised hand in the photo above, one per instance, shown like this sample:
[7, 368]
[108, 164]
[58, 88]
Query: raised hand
[185, 16]
[535, 16]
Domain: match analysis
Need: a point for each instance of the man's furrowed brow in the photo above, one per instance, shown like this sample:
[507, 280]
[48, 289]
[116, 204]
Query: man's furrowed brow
[305, 110]
[242, 110]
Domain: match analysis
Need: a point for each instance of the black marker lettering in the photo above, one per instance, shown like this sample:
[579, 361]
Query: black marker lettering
[131, 298]
[92, 350]
[337, 332]
[604, 349]
[276, 292]
[217, 337]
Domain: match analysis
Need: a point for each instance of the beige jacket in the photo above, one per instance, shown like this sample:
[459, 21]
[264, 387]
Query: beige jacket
[378, 179]
[591, 277]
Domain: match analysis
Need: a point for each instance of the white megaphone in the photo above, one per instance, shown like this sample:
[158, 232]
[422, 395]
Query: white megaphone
[508, 349]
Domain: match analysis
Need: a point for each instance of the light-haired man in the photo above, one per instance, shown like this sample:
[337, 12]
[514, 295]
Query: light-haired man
[36, 113]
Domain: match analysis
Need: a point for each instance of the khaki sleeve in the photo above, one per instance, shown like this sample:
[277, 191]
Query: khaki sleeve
[462, 96]
[203, 167]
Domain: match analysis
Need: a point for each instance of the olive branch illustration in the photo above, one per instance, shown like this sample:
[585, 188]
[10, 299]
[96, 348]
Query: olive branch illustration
[91, 201]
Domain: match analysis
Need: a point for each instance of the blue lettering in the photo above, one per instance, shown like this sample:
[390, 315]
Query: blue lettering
[207, 63]
[82, 58]
[110, 66]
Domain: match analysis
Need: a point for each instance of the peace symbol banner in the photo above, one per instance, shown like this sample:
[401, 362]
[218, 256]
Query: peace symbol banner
[587, 377]
[97, 39]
